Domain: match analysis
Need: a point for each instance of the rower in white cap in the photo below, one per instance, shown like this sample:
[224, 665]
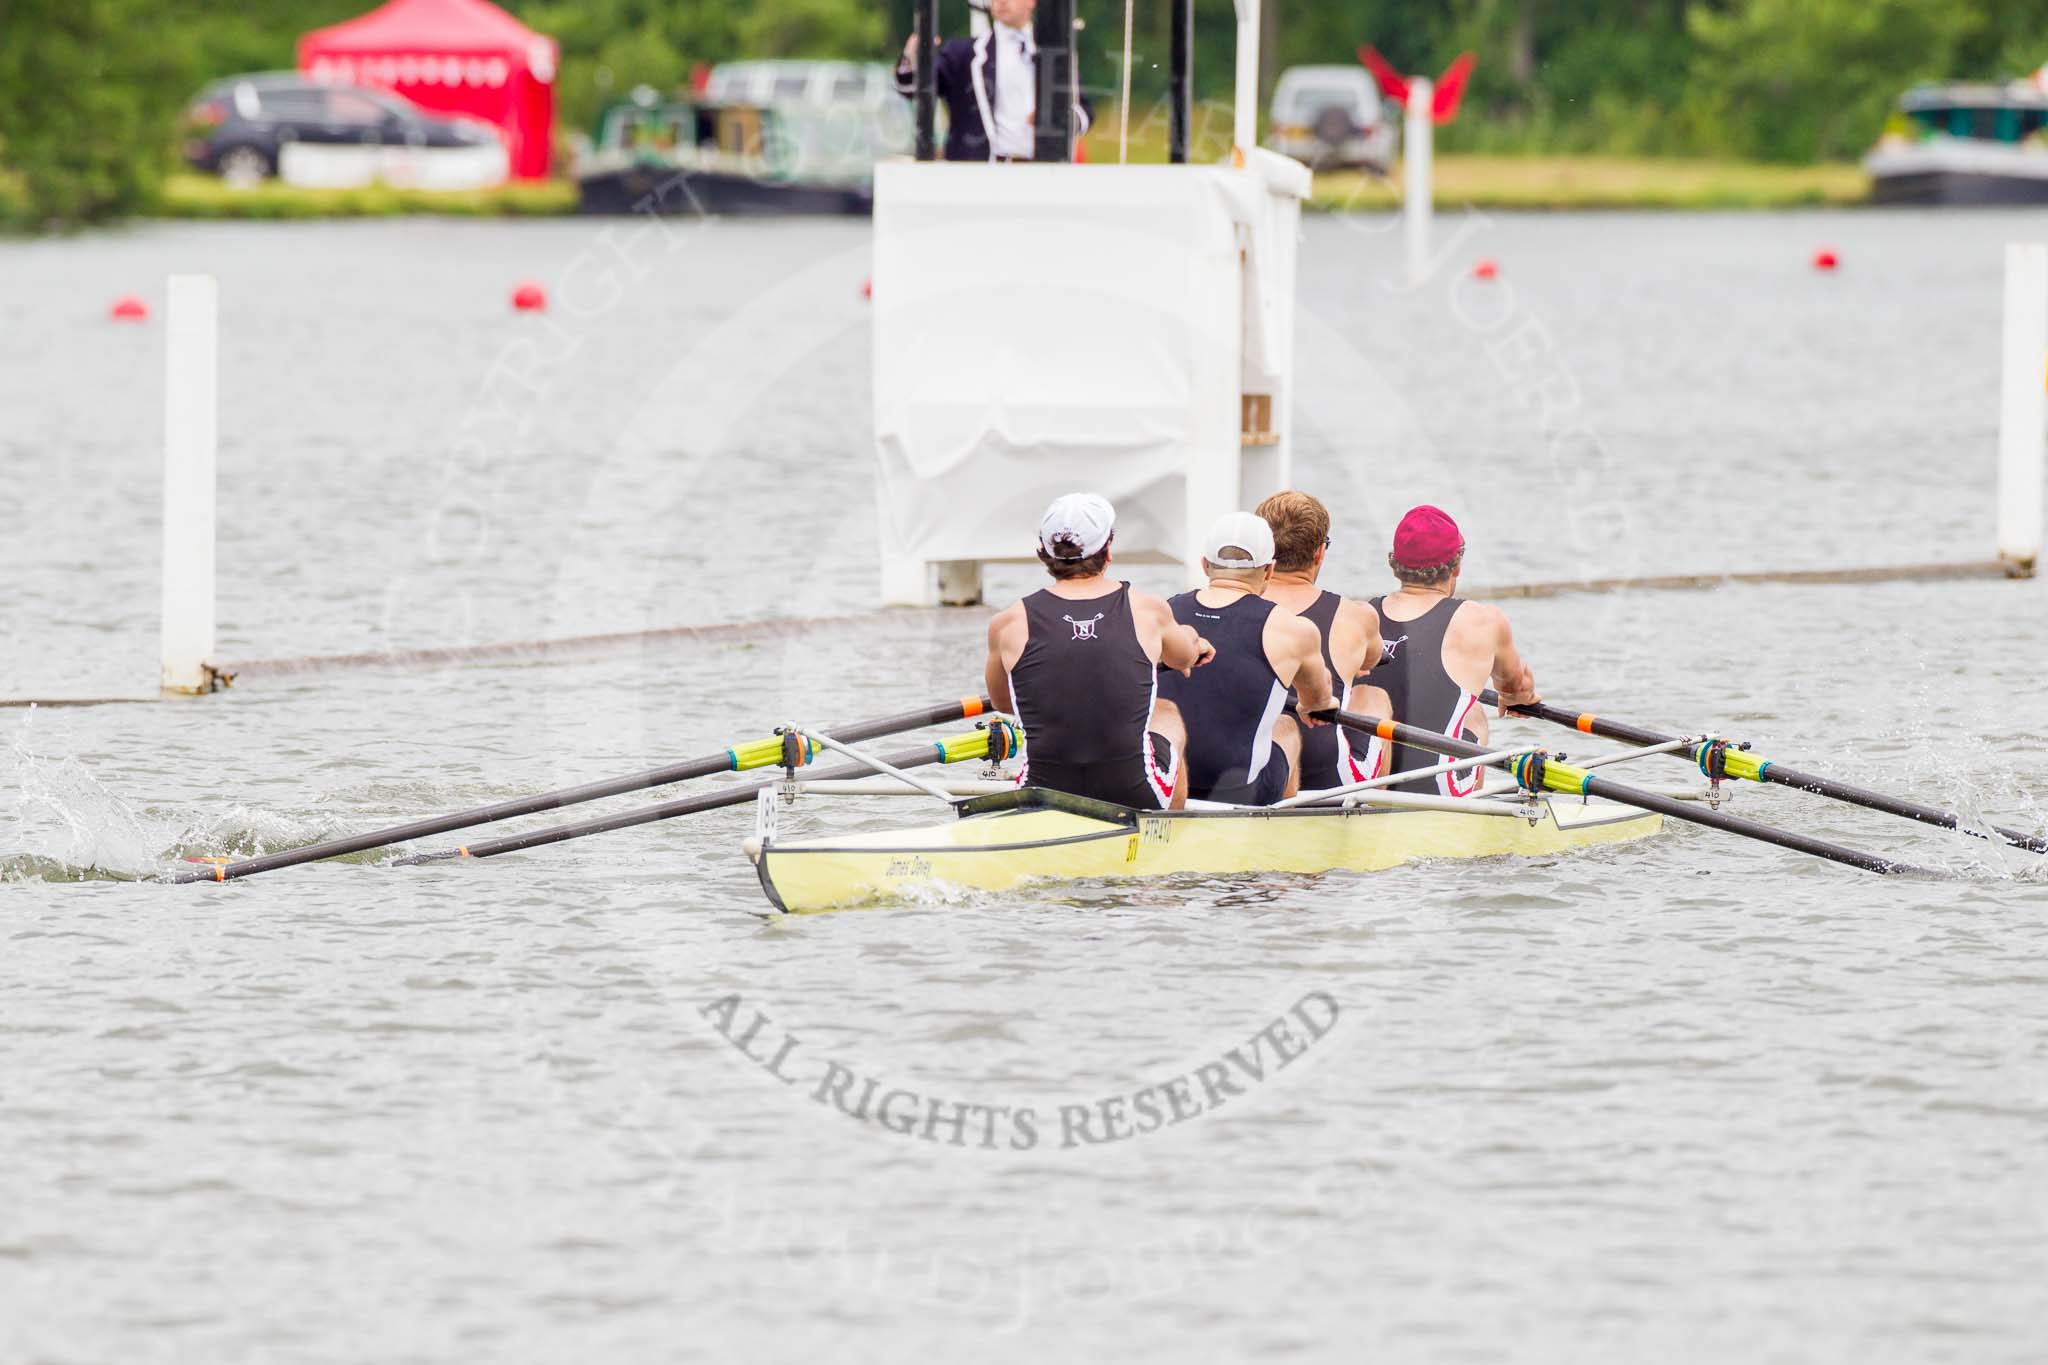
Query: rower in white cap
[1078, 662]
[1241, 749]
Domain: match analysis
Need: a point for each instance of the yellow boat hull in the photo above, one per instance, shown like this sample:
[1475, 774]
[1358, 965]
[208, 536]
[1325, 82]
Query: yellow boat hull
[1003, 842]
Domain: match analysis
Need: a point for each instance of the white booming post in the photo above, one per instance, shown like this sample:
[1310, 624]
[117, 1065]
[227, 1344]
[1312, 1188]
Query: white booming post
[190, 426]
[1416, 153]
[2023, 417]
[1245, 100]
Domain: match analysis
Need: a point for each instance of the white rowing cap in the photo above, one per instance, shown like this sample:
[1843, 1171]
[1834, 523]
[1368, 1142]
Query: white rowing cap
[1239, 540]
[1086, 519]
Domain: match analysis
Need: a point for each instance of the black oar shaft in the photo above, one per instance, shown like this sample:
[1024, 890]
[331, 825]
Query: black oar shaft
[1583, 722]
[647, 815]
[683, 771]
[1591, 785]
[1676, 809]
[1778, 775]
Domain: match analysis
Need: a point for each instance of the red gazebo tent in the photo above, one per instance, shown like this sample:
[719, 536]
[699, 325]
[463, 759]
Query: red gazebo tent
[452, 57]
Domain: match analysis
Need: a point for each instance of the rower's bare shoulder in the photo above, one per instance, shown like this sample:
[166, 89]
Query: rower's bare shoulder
[1481, 621]
[1146, 607]
[1358, 615]
[1299, 633]
[1356, 629]
[1004, 621]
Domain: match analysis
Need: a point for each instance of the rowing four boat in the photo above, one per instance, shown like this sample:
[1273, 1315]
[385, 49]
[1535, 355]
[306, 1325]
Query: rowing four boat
[1000, 837]
[1003, 841]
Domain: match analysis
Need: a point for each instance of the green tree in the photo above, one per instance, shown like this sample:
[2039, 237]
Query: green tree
[1795, 80]
[813, 28]
[2004, 38]
[90, 92]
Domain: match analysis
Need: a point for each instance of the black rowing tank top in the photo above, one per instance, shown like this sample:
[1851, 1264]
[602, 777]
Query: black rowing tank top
[1231, 702]
[1326, 759]
[1084, 685]
[1424, 695]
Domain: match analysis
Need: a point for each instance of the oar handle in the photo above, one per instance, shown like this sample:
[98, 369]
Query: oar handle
[1585, 722]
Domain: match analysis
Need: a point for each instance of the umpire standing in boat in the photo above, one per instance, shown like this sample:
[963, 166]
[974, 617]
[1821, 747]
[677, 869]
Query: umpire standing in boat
[1440, 650]
[1077, 663]
[990, 86]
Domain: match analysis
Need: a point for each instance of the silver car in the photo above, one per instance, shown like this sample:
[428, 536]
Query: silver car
[1332, 116]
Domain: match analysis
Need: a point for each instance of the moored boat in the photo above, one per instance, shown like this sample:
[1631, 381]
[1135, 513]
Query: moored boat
[763, 138]
[1965, 144]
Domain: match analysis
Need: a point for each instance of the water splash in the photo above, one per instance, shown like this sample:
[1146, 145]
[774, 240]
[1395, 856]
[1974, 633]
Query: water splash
[246, 832]
[1983, 786]
[1958, 767]
[62, 824]
[58, 823]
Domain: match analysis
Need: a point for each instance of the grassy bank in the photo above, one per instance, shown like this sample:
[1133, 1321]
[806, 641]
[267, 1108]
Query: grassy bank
[203, 196]
[1487, 182]
[1602, 182]
[1529, 182]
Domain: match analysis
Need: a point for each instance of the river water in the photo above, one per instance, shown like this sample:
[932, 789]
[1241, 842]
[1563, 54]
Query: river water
[1687, 1099]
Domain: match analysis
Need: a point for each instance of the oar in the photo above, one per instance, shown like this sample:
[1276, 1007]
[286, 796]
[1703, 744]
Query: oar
[758, 753]
[955, 750]
[1733, 762]
[1536, 772]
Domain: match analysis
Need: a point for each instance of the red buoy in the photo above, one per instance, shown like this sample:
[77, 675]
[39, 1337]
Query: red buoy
[867, 287]
[529, 298]
[1485, 268]
[1826, 259]
[128, 308]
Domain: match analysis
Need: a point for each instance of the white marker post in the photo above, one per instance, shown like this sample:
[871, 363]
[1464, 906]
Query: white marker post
[1245, 96]
[2023, 418]
[191, 423]
[1417, 150]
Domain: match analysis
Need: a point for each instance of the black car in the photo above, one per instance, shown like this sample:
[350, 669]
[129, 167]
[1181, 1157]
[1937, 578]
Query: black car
[238, 125]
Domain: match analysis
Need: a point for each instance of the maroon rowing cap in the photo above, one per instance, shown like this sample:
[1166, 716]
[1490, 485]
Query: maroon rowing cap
[1426, 538]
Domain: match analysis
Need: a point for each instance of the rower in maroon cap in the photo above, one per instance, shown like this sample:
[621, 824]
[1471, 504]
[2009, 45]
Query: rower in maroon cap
[1439, 651]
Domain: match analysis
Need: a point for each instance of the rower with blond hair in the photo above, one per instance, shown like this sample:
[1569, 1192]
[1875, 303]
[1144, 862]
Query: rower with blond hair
[1350, 634]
